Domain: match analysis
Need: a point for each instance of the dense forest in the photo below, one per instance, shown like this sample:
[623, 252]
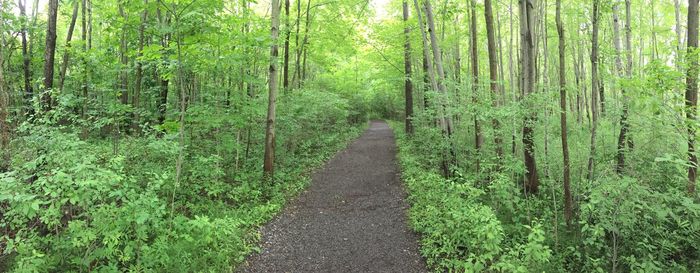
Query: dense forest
[533, 135]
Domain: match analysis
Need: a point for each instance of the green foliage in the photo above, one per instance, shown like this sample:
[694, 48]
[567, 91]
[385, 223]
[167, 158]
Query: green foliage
[459, 232]
[626, 223]
[112, 205]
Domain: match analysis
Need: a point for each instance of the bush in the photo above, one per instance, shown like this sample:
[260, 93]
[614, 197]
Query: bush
[459, 233]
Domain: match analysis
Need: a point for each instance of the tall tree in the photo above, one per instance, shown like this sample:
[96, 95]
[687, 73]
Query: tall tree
[408, 84]
[135, 101]
[164, 20]
[623, 140]
[474, 58]
[437, 57]
[594, 86]
[493, 73]
[428, 72]
[26, 59]
[49, 54]
[269, 166]
[562, 103]
[124, 59]
[4, 103]
[84, 37]
[679, 30]
[66, 52]
[691, 91]
[527, 74]
[287, 33]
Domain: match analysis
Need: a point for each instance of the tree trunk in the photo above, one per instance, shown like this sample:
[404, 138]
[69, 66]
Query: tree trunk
[268, 168]
[679, 31]
[427, 64]
[5, 156]
[474, 55]
[49, 54]
[437, 57]
[623, 139]
[26, 61]
[408, 85]
[493, 74]
[164, 82]
[654, 45]
[285, 81]
[302, 48]
[85, 58]
[69, 37]
[594, 87]
[568, 213]
[691, 91]
[528, 83]
[139, 66]
[123, 76]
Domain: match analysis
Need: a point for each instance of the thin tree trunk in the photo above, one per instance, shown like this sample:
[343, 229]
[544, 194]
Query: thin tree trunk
[474, 55]
[139, 66]
[408, 85]
[594, 88]
[493, 73]
[69, 37]
[427, 64]
[85, 58]
[49, 54]
[285, 81]
[437, 57]
[528, 82]
[302, 49]
[26, 61]
[654, 45]
[268, 166]
[296, 42]
[679, 33]
[623, 140]
[124, 60]
[691, 91]
[568, 212]
[164, 82]
[5, 156]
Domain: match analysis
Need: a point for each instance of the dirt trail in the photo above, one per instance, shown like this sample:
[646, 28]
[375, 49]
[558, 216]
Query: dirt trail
[352, 218]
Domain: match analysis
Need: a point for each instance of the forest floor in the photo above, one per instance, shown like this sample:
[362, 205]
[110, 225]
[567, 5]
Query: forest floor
[352, 218]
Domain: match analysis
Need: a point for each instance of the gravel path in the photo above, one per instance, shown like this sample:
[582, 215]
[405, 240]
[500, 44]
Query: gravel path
[352, 218]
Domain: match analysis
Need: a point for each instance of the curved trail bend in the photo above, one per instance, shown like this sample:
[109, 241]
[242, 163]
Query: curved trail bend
[352, 218]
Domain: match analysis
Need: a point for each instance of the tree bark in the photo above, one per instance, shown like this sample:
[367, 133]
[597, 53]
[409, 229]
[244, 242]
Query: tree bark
[427, 63]
[66, 53]
[26, 61]
[679, 31]
[437, 57]
[474, 55]
[493, 74]
[164, 82]
[5, 156]
[528, 82]
[301, 50]
[691, 91]
[623, 139]
[408, 84]
[594, 87]
[568, 212]
[136, 100]
[268, 166]
[285, 81]
[124, 60]
[49, 54]
[85, 50]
